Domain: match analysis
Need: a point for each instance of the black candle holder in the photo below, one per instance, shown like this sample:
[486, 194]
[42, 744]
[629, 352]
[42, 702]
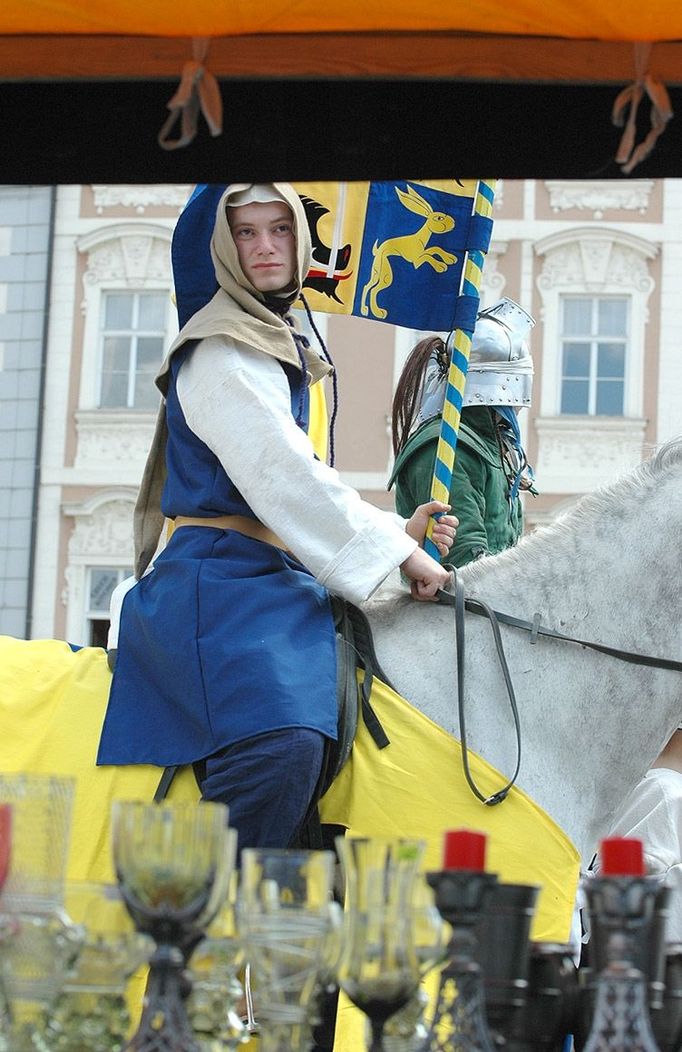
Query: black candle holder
[551, 1004]
[636, 909]
[459, 1022]
[503, 953]
[638, 906]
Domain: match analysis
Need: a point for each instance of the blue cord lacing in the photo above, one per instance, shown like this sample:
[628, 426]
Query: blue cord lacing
[335, 390]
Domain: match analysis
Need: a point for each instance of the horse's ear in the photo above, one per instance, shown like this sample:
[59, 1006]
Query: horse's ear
[414, 201]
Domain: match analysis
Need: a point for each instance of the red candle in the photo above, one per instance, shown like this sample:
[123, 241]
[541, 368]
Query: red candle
[5, 840]
[622, 856]
[464, 849]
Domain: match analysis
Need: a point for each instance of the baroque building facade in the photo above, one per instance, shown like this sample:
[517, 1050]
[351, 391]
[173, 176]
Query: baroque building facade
[598, 264]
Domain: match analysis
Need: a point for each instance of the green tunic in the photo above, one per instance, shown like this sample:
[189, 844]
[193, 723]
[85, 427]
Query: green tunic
[479, 489]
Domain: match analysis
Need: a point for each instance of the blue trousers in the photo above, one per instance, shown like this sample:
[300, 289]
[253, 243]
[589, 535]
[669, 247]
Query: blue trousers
[267, 782]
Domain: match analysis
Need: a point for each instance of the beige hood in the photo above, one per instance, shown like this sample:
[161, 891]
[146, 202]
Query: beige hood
[237, 310]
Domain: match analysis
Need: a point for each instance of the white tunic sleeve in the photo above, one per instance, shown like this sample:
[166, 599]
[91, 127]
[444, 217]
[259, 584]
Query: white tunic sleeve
[238, 402]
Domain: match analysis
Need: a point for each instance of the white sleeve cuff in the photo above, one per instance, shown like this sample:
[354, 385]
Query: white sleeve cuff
[362, 564]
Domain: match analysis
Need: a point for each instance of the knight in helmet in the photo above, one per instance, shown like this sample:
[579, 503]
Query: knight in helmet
[490, 464]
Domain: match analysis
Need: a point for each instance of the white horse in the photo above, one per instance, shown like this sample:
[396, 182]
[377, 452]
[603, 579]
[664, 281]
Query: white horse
[609, 571]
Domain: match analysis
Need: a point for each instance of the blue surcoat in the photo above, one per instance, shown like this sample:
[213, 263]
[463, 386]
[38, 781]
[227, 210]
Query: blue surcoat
[228, 637]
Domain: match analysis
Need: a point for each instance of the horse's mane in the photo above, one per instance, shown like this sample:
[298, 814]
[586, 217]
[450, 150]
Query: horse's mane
[592, 510]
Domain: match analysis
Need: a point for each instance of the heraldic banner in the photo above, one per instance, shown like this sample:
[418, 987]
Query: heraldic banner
[395, 251]
[387, 251]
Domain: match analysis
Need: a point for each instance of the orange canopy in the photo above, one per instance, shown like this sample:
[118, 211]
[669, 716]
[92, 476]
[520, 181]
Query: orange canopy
[581, 19]
[362, 88]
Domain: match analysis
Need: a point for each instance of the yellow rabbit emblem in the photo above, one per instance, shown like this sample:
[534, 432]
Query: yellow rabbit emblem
[410, 247]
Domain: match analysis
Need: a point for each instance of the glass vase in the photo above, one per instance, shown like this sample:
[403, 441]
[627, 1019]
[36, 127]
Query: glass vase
[38, 944]
[41, 809]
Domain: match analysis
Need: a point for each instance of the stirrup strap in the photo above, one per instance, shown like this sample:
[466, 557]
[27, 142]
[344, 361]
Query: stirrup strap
[164, 785]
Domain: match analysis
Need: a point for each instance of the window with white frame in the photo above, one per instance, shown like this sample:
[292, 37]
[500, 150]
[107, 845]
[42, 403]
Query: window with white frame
[594, 284]
[133, 334]
[594, 344]
[100, 583]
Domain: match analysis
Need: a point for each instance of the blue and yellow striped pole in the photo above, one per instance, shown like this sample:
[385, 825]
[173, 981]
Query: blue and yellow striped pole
[459, 345]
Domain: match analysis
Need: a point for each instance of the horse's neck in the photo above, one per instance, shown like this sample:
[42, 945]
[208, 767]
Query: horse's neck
[591, 724]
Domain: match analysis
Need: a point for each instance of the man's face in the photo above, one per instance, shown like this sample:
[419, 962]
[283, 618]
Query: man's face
[266, 245]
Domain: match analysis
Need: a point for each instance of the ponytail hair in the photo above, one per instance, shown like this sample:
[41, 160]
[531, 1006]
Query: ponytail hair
[408, 393]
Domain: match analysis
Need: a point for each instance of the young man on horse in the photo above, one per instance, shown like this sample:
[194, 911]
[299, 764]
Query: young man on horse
[226, 651]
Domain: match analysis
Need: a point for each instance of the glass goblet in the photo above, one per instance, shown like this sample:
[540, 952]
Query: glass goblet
[379, 970]
[91, 1012]
[37, 951]
[323, 1005]
[283, 918]
[169, 858]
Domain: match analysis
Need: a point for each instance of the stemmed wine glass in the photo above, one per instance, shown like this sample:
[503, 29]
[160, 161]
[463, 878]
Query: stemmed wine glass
[283, 918]
[379, 968]
[406, 1030]
[173, 863]
[323, 1004]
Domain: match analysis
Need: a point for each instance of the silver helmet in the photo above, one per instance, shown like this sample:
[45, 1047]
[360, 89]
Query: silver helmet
[500, 366]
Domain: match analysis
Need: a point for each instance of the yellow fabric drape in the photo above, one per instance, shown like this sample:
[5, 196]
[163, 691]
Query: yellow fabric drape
[319, 424]
[52, 704]
[416, 788]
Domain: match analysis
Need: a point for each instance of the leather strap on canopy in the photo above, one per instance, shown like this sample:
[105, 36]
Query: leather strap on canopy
[628, 100]
[198, 92]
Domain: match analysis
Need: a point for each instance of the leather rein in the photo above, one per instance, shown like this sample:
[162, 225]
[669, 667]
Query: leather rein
[461, 603]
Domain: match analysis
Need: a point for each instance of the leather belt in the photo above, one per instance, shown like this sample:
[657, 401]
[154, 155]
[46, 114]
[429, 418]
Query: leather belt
[249, 527]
